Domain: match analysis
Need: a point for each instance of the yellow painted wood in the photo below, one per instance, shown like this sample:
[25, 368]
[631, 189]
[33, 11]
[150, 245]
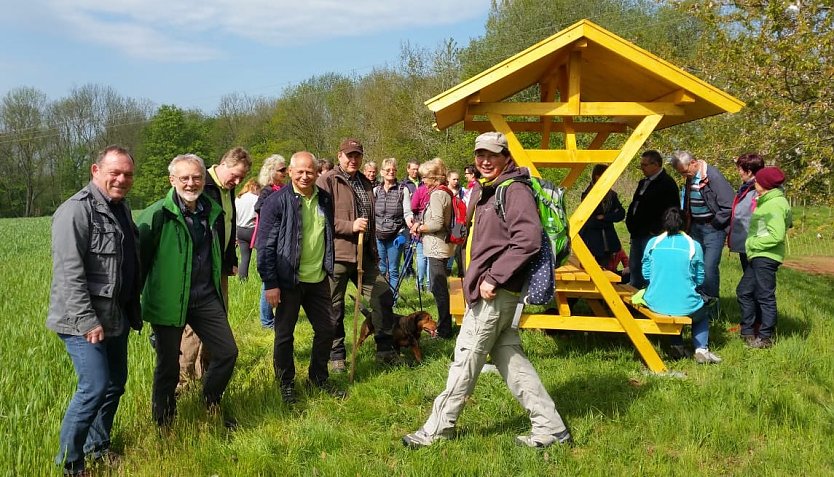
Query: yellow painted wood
[516, 149]
[599, 140]
[585, 109]
[574, 81]
[555, 126]
[573, 175]
[606, 181]
[561, 157]
[612, 69]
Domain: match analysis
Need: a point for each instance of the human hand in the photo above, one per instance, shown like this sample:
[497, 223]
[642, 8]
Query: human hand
[273, 297]
[96, 335]
[487, 291]
[360, 225]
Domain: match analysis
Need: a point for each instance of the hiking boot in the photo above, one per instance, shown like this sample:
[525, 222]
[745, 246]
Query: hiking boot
[337, 366]
[288, 393]
[761, 343]
[419, 439]
[705, 356]
[749, 339]
[329, 388]
[388, 358]
[545, 440]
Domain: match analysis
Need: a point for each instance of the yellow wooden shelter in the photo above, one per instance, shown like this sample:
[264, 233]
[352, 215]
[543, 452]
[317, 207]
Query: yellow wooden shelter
[594, 87]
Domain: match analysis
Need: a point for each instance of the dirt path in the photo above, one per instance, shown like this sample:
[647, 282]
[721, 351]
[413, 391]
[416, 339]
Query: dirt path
[815, 265]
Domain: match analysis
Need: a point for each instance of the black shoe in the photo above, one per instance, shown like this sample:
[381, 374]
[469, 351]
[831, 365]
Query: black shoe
[288, 394]
[749, 340]
[329, 388]
[388, 358]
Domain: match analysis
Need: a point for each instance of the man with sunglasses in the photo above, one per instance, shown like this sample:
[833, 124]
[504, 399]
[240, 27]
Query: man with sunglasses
[180, 246]
[221, 180]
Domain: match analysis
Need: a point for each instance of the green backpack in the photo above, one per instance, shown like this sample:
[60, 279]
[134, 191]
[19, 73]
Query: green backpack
[550, 202]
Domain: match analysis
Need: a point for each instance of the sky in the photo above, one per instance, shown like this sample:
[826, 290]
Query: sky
[192, 52]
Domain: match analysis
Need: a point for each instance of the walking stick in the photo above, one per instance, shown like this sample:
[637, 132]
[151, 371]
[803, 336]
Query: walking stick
[359, 272]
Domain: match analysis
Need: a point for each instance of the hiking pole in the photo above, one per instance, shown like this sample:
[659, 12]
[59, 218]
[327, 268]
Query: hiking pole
[361, 246]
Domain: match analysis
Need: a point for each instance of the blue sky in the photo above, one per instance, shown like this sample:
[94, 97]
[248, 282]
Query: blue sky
[192, 52]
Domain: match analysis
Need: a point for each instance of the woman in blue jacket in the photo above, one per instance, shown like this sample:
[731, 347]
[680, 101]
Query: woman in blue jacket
[673, 264]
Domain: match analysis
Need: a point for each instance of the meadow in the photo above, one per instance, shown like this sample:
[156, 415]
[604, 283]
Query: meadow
[759, 413]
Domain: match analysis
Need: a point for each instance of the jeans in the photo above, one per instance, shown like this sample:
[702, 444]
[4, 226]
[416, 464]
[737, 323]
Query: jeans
[635, 260]
[422, 268]
[700, 329]
[757, 290]
[712, 241]
[210, 324]
[376, 291]
[487, 329]
[390, 254]
[440, 290]
[315, 298]
[267, 313]
[244, 239]
[102, 373]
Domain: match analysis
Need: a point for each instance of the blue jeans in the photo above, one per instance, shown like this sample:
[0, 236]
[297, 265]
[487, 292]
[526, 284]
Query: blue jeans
[267, 313]
[635, 260]
[390, 254]
[757, 293]
[102, 373]
[712, 241]
[422, 268]
[700, 329]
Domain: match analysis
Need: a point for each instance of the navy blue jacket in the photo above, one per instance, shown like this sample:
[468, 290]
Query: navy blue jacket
[279, 237]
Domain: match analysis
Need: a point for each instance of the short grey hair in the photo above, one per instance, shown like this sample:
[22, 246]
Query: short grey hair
[271, 164]
[192, 158]
[389, 162]
[683, 158]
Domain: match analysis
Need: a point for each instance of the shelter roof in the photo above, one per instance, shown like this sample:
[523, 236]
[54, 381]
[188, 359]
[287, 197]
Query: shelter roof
[612, 70]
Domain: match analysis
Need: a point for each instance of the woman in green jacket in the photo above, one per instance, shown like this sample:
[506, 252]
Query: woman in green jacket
[765, 247]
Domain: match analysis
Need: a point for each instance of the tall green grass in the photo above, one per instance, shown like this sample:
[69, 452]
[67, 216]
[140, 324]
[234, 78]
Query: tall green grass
[767, 412]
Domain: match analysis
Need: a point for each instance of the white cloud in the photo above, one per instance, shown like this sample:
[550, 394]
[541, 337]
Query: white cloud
[186, 30]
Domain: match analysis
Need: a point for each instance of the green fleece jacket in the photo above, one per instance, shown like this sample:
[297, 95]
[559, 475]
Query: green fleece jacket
[768, 226]
[165, 251]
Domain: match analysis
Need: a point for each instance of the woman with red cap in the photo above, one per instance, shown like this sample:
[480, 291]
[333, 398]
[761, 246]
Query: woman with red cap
[765, 247]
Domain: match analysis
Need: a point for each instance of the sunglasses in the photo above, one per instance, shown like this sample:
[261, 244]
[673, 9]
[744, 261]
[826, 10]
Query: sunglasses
[282, 170]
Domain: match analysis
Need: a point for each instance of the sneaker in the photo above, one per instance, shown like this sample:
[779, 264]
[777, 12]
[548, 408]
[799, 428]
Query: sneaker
[545, 440]
[761, 343]
[288, 393]
[329, 388]
[749, 340]
[420, 438]
[337, 366]
[705, 356]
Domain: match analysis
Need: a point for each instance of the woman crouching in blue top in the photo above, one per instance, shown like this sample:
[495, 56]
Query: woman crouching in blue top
[673, 264]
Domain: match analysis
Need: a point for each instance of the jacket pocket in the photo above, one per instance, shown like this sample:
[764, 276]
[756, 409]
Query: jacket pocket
[104, 239]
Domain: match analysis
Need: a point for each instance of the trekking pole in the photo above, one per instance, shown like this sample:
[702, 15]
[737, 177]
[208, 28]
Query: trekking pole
[359, 272]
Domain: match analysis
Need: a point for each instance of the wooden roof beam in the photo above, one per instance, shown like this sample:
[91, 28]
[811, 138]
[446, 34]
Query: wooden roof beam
[585, 109]
[558, 126]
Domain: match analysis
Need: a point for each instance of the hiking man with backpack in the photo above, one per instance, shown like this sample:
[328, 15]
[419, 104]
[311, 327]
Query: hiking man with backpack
[499, 252]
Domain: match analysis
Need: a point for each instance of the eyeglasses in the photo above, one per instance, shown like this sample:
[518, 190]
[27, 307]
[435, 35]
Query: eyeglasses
[282, 170]
[184, 180]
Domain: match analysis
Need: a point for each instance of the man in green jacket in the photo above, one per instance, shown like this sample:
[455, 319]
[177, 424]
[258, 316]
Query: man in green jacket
[765, 252]
[180, 248]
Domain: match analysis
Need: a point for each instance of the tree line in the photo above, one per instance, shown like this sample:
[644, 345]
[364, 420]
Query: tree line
[776, 56]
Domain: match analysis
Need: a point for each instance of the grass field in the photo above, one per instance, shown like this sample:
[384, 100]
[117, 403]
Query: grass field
[768, 412]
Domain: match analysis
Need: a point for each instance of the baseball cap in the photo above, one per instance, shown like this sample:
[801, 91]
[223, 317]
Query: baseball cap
[491, 141]
[351, 145]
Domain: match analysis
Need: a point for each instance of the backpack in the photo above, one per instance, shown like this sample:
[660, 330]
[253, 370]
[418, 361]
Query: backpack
[457, 224]
[555, 249]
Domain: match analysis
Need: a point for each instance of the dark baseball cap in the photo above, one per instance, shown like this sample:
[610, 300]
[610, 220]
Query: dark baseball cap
[351, 145]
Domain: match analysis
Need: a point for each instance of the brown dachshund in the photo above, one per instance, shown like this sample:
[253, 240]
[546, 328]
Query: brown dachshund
[406, 331]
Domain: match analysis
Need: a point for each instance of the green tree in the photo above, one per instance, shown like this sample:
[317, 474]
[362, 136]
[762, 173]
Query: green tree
[23, 161]
[171, 131]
